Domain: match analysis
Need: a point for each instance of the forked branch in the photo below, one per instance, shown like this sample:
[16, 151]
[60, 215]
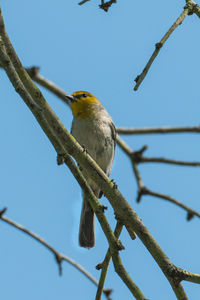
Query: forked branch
[58, 256]
[142, 190]
[190, 8]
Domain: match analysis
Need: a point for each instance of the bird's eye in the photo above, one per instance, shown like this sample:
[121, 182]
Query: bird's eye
[84, 95]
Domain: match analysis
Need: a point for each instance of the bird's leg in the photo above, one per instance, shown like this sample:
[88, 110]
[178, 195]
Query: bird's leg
[84, 149]
[115, 186]
[60, 159]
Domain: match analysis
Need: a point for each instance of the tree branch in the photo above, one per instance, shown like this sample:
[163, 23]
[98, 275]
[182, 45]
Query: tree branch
[58, 256]
[114, 244]
[48, 119]
[190, 212]
[142, 190]
[106, 5]
[49, 85]
[162, 130]
[163, 160]
[194, 7]
[104, 265]
[137, 157]
[187, 10]
[83, 2]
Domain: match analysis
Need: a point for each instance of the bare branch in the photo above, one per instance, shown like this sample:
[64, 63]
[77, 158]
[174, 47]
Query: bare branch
[163, 130]
[159, 45]
[194, 7]
[49, 117]
[142, 190]
[105, 6]
[139, 158]
[104, 265]
[49, 85]
[82, 2]
[190, 212]
[59, 257]
[119, 268]
[188, 276]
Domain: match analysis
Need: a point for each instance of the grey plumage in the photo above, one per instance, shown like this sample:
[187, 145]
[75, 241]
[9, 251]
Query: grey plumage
[99, 140]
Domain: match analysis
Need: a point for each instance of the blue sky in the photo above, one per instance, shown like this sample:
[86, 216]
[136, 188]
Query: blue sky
[84, 48]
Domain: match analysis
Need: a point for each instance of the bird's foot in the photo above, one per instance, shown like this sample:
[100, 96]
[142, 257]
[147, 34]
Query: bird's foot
[84, 149]
[60, 159]
[115, 186]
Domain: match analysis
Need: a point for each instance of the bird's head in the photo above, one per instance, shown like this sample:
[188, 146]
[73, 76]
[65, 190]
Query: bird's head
[83, 104]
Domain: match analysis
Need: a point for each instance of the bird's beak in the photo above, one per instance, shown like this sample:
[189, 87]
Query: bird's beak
[70, 98]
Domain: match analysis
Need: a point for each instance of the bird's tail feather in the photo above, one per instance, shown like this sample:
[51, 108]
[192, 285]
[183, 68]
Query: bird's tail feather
[86, 230]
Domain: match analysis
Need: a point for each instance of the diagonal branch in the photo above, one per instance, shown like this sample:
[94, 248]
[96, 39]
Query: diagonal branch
[48, 116]
[104, 265]
[83, 2]
[56, 132]
[58, 256]
[158, 46]
[49, 85]
[114, 244]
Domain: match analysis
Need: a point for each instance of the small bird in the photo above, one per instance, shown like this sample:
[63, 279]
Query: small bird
[93, 128]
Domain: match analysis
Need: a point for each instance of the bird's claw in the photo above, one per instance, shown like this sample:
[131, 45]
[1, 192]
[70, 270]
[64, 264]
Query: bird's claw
[84, 149]
[60, 159]
[115, 186]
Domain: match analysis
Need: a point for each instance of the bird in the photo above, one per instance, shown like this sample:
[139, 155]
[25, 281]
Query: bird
[95, 131]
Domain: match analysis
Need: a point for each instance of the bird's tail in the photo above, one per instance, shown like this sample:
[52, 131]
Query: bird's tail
[86, 230]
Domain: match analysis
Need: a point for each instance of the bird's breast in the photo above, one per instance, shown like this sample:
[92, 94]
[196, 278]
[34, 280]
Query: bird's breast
[96, 137]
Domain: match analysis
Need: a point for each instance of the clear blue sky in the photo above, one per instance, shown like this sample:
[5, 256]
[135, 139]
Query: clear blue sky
[84, 48]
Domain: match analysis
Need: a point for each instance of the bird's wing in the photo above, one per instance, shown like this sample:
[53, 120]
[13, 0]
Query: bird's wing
[113, 132]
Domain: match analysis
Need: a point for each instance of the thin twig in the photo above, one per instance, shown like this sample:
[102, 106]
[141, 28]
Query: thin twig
[106, 5]
[190, 212]
[159, 45]
[119, 268]
[142, 190]
[59, 256]
[144, 159]
[104, 265]
[49, 85]
[159, 130]
[137, 157]
[82, 2]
